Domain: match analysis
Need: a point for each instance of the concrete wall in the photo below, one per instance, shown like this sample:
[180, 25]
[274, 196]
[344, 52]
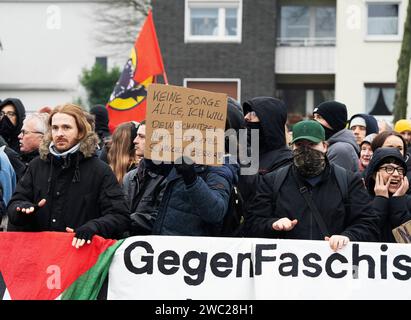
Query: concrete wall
[359, 60]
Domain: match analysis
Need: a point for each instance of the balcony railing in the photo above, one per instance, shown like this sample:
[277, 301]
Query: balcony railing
[306, 42]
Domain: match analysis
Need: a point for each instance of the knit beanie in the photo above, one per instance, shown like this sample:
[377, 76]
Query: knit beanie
[335, 113]
[402, 125]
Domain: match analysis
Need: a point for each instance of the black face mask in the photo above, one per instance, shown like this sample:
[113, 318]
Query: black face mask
[6, 127]
[309, 162]
[328, 132]
[261, 137]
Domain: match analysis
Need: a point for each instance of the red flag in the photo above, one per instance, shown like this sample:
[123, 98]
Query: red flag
[128, 100]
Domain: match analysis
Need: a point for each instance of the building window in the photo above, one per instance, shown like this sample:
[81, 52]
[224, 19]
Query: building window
[306, 26]
[213, 21]
[229, 86]
[379, 99]
[382, 19]
[102, 61]
[302, 101]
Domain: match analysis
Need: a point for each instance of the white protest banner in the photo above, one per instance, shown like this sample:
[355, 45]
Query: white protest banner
[158, 267]
[182, 121]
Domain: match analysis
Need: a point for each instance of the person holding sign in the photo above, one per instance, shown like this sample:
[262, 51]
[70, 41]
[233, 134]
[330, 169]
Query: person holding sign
[387, 182]
[312, 199]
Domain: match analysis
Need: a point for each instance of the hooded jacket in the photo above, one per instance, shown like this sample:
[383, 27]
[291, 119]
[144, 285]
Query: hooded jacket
[78, 189]
[370, 122]
[343, 150]
[7, 130]
[392, 211]
[274, 153]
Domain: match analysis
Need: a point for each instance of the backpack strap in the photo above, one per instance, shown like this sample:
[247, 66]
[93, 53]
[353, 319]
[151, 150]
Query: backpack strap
[280, 175]
[342, 181]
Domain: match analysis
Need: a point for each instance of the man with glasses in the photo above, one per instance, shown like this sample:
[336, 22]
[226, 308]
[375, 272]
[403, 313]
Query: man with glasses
[31, 134]
[12, 114]
[387, 182]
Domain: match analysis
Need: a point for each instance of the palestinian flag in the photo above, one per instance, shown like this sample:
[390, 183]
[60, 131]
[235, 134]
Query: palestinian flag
[44, 265]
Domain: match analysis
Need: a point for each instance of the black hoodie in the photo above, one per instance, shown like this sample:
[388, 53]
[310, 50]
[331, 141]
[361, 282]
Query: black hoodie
[273, 152]
[272, 113]
[7, 130]
[392, 211]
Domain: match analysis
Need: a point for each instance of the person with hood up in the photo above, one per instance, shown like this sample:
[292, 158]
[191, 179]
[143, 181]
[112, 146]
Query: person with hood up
[386, 181]
[269, 116]
[363, 125]
[12, 114]
[342, 148]
[67, 188]
[305, 200]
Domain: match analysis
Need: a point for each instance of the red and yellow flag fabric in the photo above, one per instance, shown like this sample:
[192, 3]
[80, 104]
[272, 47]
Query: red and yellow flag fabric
[128, 100]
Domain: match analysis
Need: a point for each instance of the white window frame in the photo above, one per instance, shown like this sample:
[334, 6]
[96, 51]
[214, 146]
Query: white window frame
[397, 37]
[238, 80]
[221, 5]
[311, 39]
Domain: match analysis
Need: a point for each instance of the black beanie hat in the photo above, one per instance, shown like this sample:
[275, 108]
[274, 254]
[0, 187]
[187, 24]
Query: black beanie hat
[335, 113]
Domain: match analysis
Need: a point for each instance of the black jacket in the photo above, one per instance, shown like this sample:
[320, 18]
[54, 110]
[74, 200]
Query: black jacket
[78, 189]
[15, 160]
[144, 191]
[353, 219]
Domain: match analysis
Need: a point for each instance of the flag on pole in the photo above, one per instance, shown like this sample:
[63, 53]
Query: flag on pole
[128, 100]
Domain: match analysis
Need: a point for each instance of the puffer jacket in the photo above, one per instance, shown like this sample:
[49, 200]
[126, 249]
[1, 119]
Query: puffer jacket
[78, 189]
[197, 209]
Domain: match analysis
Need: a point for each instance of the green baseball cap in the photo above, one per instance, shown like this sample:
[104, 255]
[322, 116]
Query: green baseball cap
[308, 130]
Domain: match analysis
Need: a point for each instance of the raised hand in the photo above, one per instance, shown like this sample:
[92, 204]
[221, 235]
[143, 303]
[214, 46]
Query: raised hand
[284, 224]
[33, 208]
[381, 188]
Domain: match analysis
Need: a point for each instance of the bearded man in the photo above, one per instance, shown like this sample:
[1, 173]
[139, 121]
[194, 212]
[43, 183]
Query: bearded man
[306, 200]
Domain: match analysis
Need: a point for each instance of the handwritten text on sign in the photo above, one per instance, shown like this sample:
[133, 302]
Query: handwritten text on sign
[185, 122]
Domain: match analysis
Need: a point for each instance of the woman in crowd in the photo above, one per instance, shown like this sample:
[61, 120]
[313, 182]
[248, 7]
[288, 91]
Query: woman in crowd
[386, 181]
[122, 155]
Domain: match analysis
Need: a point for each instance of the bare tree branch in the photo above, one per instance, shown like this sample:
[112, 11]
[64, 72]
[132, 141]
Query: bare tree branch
[119, 21]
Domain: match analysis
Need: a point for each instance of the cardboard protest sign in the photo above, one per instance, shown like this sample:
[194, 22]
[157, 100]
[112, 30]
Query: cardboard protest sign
[185, 122]
[402, 234]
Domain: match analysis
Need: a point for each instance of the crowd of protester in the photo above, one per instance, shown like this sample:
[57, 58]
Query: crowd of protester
[332, 178]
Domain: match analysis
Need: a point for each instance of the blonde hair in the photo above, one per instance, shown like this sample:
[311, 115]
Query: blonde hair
[79, 115]
[121, 155]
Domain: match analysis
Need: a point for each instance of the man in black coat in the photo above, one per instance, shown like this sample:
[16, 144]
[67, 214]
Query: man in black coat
[286, 213]
[67, 188]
